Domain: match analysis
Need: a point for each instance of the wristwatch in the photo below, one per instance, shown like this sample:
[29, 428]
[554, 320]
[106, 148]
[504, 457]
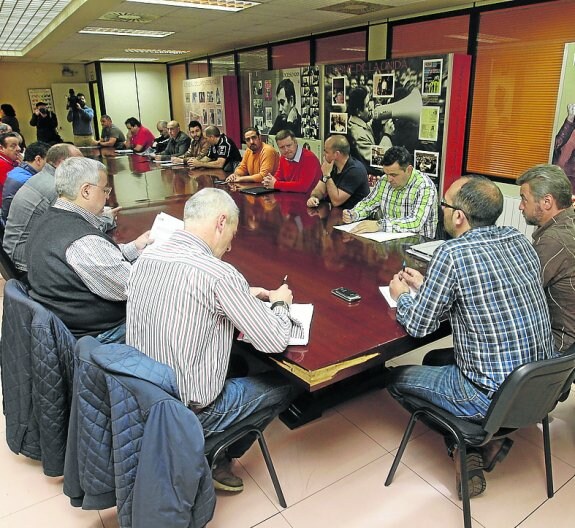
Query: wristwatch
[280, 303]
[325, 178]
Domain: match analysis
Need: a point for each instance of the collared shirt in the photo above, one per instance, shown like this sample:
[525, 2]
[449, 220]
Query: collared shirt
[198, 148]
[103, 268]
[183, 307]
[554, 242]
[413, 208]
[487, 283]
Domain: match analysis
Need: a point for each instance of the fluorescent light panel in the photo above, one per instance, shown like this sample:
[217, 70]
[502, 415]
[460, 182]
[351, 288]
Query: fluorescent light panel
[220, 5]
[129, 59]
[125, 32]
[157, 51]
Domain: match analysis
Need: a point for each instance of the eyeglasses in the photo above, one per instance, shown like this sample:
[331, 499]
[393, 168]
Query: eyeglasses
[107, 190]
[443, 203]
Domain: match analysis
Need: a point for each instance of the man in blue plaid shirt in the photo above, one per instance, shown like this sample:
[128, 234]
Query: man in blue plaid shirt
[486, 281]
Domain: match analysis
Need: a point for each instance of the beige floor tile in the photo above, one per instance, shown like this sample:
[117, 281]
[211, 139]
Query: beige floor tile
[245, 509]
[362, 500]
[558, 512]
[415, 356]
[312, 456]
[51, 513]
[381, 417]
[277, 521]
[109, 518]
[516, 486]
[22, 482]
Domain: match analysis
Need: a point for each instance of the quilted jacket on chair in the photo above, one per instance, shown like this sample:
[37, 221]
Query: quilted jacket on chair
[37, 365]
[133, 444]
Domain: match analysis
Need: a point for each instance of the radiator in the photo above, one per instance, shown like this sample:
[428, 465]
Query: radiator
[511, 216]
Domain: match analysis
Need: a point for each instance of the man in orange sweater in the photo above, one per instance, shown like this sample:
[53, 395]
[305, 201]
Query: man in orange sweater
[259, 159]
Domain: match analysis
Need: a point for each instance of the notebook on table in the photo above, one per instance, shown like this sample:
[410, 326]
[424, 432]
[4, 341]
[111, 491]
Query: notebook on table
[256, 191]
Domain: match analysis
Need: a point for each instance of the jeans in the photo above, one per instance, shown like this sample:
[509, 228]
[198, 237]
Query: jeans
[114, 335]
[239, 399]
[444, 386]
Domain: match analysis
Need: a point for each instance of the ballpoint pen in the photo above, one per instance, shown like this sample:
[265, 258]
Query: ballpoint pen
[403, 267]
[285, 280]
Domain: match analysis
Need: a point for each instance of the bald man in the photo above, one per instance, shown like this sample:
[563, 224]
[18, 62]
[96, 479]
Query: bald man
[178, 143]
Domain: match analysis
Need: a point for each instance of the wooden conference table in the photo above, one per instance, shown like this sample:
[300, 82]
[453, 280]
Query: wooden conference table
[279, 235]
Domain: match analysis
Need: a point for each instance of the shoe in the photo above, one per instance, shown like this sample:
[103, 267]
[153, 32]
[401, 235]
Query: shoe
[224, 479]
[476, 481]
[495, 451]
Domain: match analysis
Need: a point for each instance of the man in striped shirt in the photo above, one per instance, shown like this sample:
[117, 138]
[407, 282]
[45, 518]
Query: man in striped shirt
[406, 199]
[184, 304]
[74, 269]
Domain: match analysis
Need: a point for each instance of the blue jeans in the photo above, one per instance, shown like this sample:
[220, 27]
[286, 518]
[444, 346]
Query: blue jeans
[114, 335]
[444, 386]
[240, 398]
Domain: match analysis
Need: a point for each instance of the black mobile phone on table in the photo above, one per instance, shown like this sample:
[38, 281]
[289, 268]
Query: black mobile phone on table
[346, 294]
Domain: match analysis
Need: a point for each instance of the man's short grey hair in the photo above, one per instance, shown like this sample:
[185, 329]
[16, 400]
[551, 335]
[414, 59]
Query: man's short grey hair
[59, 152]
[209, 203]
[72, 173]
[5, 128]
[548, 179]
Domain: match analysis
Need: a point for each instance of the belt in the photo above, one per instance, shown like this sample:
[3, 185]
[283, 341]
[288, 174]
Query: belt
[487, 392]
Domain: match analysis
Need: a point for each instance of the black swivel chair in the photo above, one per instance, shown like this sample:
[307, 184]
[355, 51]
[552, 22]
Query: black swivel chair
[526, 397]
[217, 445]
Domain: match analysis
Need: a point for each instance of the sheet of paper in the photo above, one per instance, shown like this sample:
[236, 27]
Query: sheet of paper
[378, 236]
[163, 227]
[425, 250]
[124, 151]
[385, 292]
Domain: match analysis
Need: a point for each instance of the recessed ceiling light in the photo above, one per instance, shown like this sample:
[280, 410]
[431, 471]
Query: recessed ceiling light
[157, 51]
[221, 5]
[125, 32]
[129, 59]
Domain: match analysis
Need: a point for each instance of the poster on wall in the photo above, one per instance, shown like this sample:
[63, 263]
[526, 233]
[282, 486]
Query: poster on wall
[563, 144]
[203, 101]
[388, 103]
[41, 95]
[286, 99]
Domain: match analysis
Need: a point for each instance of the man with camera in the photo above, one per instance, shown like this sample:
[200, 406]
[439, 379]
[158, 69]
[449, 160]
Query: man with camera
[81, 117]
[46, 124]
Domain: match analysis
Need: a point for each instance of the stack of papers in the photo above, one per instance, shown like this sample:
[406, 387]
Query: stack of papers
[378, 236]
[163, 227]
[425, 250]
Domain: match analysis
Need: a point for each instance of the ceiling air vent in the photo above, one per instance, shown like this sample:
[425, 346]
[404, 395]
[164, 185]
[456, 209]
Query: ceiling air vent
[355, 7]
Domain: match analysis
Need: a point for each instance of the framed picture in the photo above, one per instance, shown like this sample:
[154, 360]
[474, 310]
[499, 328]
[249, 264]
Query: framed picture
[41, 95]
[426, 162]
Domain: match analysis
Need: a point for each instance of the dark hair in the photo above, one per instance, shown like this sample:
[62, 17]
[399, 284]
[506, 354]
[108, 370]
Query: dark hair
[288, 88]
[193, 124]
[356, 102]
[38, 148]
[480, 200]
[284, 134]
[4, 137]
[548, 179]
[212, 131]
[132, 121]
[8, 109]
[40, 103]
[397, 154]
[251, 129]
[80, 95]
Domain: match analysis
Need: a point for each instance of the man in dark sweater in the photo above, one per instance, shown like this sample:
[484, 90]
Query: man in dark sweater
[74, 269]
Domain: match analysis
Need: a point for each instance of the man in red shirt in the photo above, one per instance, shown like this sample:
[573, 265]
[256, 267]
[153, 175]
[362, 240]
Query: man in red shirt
[10, 156]
[299, 169]
[139, 138]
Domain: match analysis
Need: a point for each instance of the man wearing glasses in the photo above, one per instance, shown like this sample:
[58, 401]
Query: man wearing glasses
[404, 198]
[486, 280]
[74, 269]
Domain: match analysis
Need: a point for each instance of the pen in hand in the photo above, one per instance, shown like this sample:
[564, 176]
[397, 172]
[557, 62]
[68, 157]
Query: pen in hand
[284, 281]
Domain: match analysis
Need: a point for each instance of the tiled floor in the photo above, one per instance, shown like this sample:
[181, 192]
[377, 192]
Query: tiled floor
[332, 472]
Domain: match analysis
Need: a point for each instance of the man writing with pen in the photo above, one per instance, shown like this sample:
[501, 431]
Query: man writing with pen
[184, 304]
[486, 281]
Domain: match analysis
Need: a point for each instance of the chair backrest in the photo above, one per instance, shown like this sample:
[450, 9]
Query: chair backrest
[530, 392]
[7, 268]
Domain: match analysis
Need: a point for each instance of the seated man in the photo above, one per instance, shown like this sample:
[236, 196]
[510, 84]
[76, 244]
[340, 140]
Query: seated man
[10, 156]
[199, 146]
[112, 136]
[546, 203]
[161, 142]
[34, 161]
[74, 269]
[344, 181]
[299, 169]
[139, 138]
[177, 145]
[185, 283]
[223, 153]
[259, 159]
[406, 199]
[486, 281]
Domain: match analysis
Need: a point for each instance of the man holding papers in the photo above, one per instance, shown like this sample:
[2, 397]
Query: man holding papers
[406, 199]
[486, 282]
[184, 304]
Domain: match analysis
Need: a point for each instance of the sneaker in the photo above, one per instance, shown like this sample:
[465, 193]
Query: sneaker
[476, 481]
[224, 479]
[494, 452]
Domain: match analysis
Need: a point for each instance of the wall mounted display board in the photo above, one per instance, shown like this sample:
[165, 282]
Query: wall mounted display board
[214, 101]
[41, 95]
[417, 102]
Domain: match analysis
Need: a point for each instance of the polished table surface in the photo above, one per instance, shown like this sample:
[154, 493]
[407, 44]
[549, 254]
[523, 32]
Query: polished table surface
[277, 236]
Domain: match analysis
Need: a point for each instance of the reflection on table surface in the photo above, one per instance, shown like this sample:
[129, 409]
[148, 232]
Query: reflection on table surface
[279, 235]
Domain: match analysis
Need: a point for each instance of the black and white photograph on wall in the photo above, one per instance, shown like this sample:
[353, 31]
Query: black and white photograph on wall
[187, 98]
[338, 91]
[204, 117]
[426, 162]
[219, 117]
[259, 122]
[218, 97]
[194, 97]
[338, 123]
[202, 97]
[210, 96]
[305, 80]
[377, 153]
[431, 81]
[383, 85]
[212, 116]
[287, 100]
[269, 117]
[257, 87]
